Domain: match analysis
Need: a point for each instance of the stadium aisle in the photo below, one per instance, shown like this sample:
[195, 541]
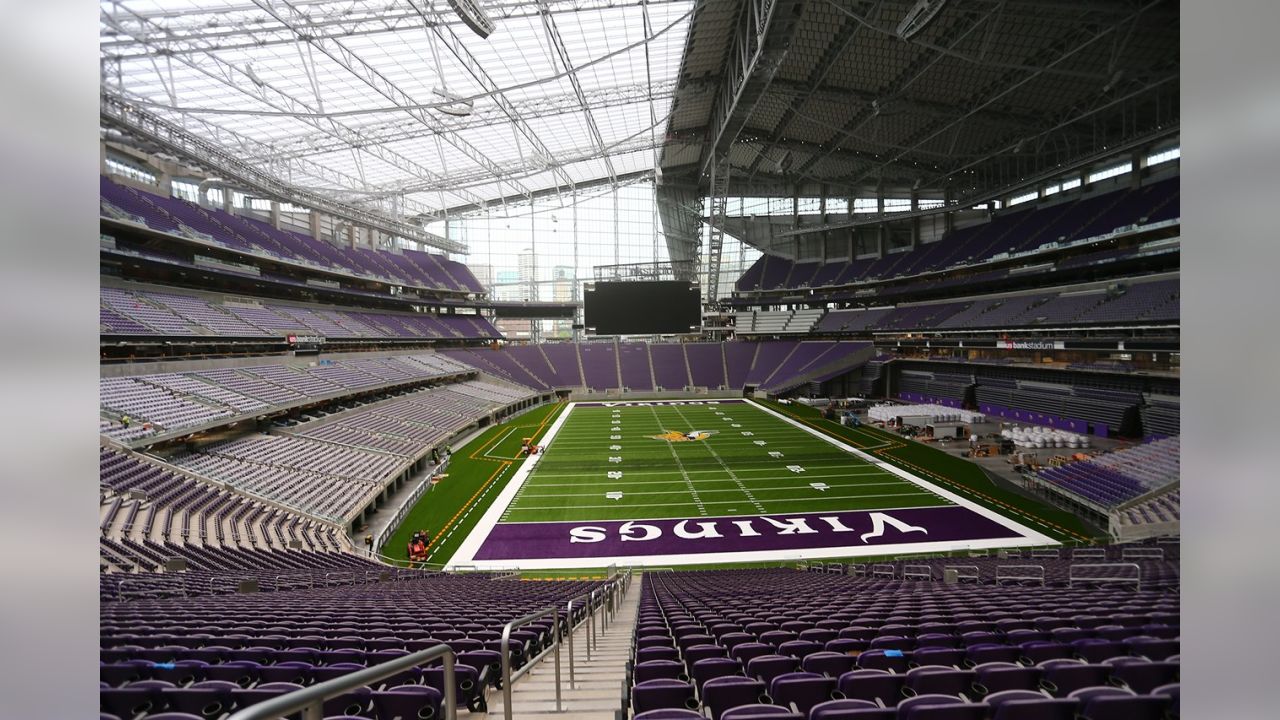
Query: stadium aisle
[595, 695]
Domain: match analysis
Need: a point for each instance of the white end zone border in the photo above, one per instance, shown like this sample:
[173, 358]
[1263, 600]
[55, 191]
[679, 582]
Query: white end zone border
[480, 532]
[466, 552]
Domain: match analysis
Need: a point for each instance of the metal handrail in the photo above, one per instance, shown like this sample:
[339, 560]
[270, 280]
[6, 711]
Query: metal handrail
[590, 620]
[310, 700]
[507, 677]
[915, 572]
[1073, 578]
[1007, 572]
[966, 576]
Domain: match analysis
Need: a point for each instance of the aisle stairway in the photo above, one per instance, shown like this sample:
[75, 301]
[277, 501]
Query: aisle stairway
[597, 692]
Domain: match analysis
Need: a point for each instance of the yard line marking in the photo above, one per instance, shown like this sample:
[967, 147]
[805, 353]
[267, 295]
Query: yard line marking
[724, 480]
[921, 493]
[671, 447]
[750, 498]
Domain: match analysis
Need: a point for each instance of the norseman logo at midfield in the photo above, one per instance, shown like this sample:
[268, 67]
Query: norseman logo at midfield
[677, 436]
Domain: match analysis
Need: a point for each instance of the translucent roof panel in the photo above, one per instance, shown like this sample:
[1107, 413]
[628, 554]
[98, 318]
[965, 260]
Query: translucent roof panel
[361, 98]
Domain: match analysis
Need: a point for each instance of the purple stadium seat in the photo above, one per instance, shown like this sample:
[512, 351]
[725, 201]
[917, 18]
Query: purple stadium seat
[408, 702]
[662, 693]
[720, 694]
[756, 711]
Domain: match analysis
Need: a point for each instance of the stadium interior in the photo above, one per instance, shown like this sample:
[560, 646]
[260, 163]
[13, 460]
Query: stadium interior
[653, 359]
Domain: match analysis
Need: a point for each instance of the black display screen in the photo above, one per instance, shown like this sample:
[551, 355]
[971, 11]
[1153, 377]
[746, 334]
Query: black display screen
[642, 308]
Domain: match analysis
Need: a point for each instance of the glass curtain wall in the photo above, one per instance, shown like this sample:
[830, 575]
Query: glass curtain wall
[547, 249]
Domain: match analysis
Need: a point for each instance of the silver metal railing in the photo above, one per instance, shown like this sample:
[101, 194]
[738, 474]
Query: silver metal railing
[1098, 573]
[917, 572]
[507, 676]
[964, 572]
[1019, 573]
[589, 599]
[310, 700]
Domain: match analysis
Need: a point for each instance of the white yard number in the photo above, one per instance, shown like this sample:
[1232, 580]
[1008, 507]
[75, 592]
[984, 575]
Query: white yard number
[615, 447]
[615, 474]
[747, 433]
[761, 443]
[615, 428]
[615, 495]
[615, 459]
[737, 425]
[615, 437]
[775, 454]
[819, 486]
[795, 468]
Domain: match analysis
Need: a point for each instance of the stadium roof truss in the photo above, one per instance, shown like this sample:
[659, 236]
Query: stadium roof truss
[824, 98]
[395, 107]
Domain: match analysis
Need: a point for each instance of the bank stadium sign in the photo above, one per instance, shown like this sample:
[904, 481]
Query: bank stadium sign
[1031, 344]
[305, 339]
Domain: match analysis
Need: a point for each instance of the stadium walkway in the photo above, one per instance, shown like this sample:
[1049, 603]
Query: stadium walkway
[597, 694]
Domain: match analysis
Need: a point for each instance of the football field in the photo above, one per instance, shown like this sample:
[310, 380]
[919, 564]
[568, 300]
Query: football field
[681, 482]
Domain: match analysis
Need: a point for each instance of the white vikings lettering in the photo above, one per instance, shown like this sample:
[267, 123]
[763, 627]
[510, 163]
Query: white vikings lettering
[648, 532]
[790, 526]
[835, 523]
[879, 520]
[632, 531]
[708, 530]
[586, 534]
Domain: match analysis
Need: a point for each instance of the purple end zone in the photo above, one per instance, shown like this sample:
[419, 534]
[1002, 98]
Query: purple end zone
[693, 536]
[647, 403]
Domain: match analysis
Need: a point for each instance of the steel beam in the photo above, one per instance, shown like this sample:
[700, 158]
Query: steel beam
[241, 26]
[213, 66]
[371, 76]
[553, 32]
[152, 128]
[477, 72]
[755, 53]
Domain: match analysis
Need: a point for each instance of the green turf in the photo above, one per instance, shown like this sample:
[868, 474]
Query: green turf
[601, 451]
[476, 474]
[724, 474]
[951, 472]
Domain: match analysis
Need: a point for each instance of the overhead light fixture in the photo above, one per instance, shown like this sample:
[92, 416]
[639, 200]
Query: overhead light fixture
[458, 106]
[1115, 80]
[253, 76]
[919, 17]
[473, 16]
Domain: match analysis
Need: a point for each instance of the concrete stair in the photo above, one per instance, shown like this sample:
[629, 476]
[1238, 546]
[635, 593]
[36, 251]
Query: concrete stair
[596, 693]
